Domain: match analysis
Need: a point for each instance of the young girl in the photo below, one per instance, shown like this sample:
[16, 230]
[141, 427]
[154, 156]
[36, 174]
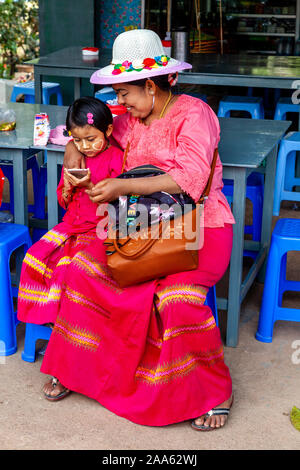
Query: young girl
[42, 278]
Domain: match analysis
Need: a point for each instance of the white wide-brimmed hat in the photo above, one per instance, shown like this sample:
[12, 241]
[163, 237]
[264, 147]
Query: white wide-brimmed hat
[137, 54]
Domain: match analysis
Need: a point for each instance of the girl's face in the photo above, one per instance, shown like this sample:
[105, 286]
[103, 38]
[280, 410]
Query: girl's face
[138, 100]
[89, 140]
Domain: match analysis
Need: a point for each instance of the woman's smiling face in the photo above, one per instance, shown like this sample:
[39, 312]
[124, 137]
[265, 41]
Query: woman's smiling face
[89, 140]
[136, 99]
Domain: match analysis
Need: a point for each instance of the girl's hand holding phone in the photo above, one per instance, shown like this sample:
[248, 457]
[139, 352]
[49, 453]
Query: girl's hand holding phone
[78, 177]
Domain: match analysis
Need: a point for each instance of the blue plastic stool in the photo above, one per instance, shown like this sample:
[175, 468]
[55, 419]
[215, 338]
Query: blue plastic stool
[12, 236]
[251, 104]
[33, 333]
[40, 211]
[283, 106]
[27, 89]
[285, 237]
[7, 169]
[255, 193]
[211, 301]
[105, 94]
[285, 171]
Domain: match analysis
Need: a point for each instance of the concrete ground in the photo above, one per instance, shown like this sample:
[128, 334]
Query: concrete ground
[266, 382]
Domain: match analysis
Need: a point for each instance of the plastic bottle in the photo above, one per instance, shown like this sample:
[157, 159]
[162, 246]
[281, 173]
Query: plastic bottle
[167, 44]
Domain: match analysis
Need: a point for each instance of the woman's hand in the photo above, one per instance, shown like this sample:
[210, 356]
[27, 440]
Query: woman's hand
[110, 189]
[73, 158]
[71, 180]
[107, 190]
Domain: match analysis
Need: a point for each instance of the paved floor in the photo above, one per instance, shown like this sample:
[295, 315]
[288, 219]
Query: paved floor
[266, 380]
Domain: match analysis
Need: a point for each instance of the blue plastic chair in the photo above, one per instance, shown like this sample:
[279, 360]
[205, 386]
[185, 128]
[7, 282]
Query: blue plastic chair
[105, 94]
[32, 165]
[33, 333]
[251, 104]
[285, 237]
[255, 193]
[211, 301]
[285, 171]
[12, 236]
[283, 106]
[27, 89]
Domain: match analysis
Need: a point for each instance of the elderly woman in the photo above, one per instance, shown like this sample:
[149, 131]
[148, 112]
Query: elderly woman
[151, 352]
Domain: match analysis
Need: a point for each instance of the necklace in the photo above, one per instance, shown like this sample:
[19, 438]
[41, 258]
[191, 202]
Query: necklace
[163, 109]
[165, 105]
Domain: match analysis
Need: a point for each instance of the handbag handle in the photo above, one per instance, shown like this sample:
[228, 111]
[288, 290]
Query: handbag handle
[145, 247]
[125, 156]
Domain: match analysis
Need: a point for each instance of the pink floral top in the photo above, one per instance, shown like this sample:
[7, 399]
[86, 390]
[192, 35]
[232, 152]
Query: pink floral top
[182, 143]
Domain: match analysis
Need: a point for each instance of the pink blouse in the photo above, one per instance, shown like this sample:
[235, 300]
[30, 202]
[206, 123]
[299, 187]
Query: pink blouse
[182, 143]
[81, 211]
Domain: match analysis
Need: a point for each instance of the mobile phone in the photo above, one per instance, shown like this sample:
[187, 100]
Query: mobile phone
[78, 172]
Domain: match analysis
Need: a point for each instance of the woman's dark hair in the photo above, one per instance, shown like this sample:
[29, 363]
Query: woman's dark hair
[161, 81]
[78, 111]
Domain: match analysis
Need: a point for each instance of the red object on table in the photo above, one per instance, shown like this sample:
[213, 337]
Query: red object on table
[117, 109]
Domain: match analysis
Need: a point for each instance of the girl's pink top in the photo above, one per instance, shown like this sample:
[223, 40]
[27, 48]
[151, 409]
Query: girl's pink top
[182, 143]
[81, 211]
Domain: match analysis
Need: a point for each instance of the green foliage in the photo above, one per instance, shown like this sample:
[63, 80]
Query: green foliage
[19, 37]
[295, 417]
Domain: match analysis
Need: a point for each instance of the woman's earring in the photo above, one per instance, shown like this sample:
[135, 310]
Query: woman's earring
[153, 101]
[151, 92]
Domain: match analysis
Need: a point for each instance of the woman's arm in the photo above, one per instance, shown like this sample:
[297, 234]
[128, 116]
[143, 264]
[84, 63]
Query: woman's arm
[110, 189]
[73, 158]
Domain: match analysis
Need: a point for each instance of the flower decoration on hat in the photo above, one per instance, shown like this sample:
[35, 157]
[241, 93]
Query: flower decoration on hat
[138, 65]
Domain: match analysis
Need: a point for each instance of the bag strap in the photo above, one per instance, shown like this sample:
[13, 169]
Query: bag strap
[125, 156]
[209, 182]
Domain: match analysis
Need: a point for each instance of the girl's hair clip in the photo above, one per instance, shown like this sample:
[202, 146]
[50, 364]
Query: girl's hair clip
[66, 133]
[90, 118]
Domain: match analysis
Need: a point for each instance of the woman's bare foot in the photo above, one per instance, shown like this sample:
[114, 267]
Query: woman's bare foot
[210, 420]
[54, 390]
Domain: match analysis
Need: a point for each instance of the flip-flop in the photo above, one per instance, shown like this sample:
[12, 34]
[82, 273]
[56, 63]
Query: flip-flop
[61, 395]
[212, 412]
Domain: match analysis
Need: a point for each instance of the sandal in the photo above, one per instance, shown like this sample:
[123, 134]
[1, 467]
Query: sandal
[212, 412]
[62, 394]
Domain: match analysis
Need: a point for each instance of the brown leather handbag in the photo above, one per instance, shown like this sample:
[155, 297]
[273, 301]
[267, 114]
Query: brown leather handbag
[168, 247]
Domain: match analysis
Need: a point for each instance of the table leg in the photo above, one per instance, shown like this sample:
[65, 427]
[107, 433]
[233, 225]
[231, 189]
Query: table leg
[266, 229]
[236, 260]
[20, 186]
[38, 87]
[51, 188]
[77, 88]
